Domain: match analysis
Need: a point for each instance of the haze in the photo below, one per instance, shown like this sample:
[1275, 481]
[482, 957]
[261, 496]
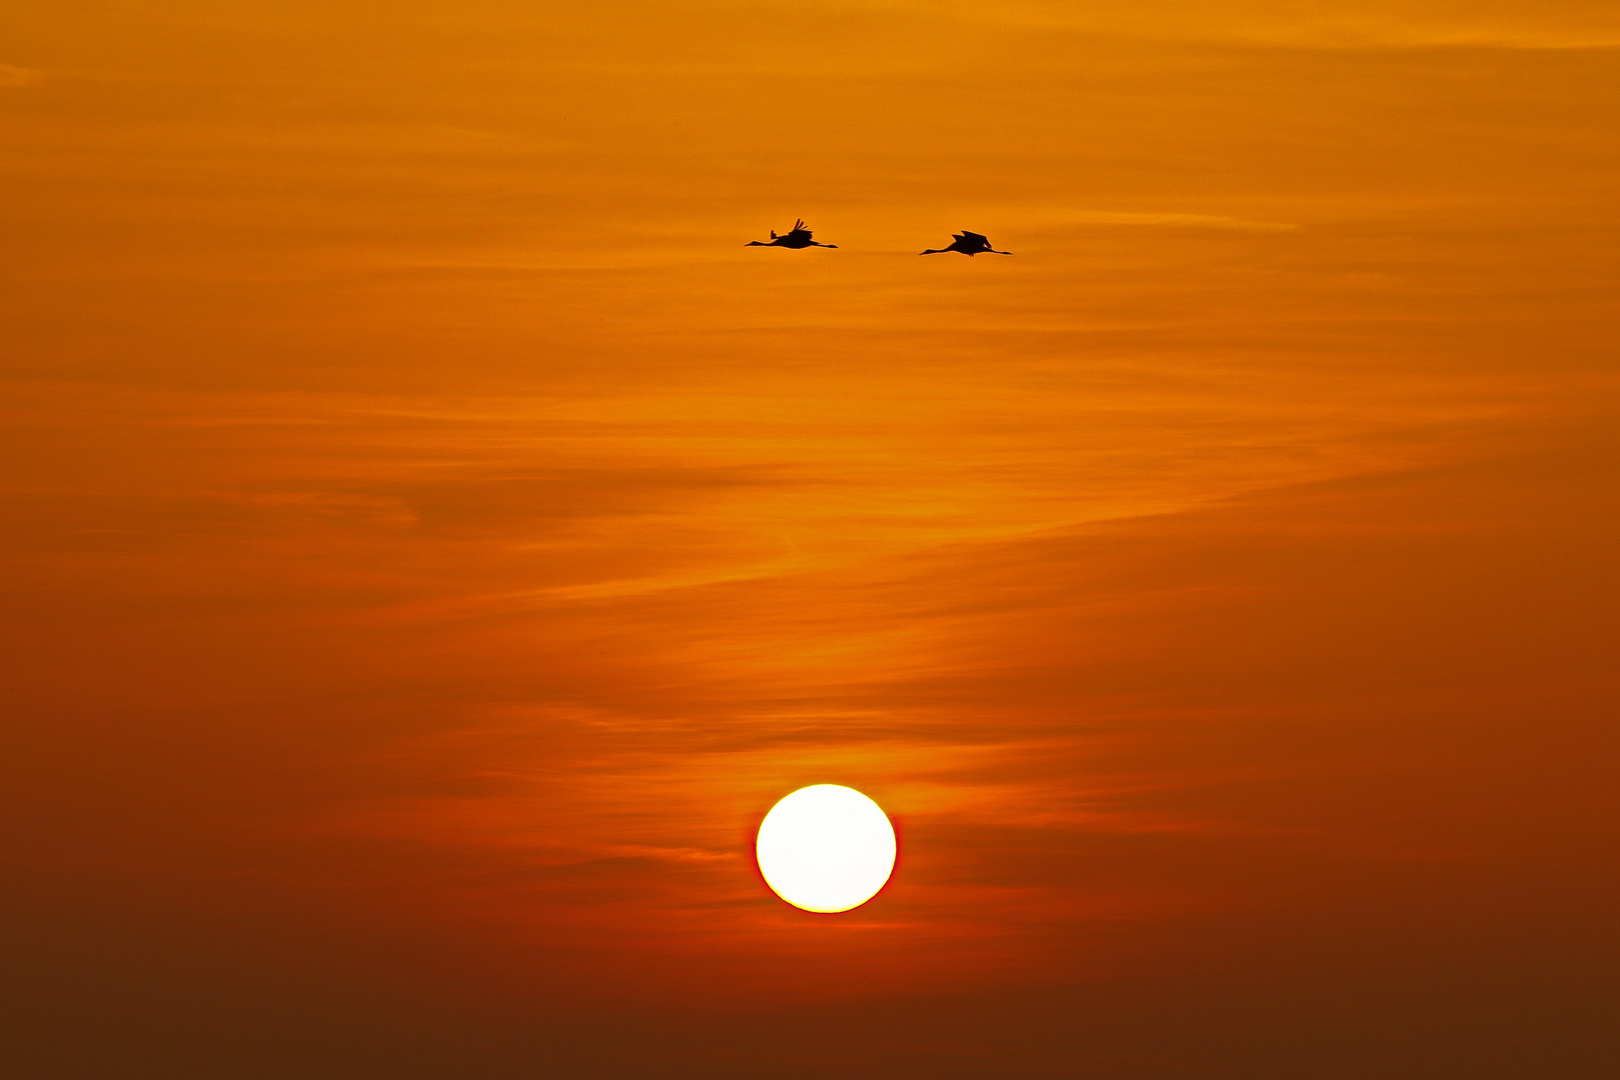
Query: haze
[431, 540]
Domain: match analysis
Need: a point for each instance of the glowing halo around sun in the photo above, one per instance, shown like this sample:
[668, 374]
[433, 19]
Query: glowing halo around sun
[826, 848]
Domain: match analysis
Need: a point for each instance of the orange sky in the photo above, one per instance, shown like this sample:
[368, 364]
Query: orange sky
[431, 541]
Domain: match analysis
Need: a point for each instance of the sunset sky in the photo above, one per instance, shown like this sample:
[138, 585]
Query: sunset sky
[430, 541]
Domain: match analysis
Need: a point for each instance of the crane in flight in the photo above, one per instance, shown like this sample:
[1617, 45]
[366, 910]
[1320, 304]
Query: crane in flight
[968, 243]
[799, 237]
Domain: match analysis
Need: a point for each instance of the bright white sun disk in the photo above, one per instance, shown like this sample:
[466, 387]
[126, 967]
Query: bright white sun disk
[826, 848]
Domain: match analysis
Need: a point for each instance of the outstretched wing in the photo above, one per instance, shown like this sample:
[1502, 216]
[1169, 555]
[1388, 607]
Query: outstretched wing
[974, 238]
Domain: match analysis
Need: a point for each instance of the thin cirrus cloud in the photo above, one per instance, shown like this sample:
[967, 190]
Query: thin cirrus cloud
[11, 75]
[425, 524]
[1299, 24]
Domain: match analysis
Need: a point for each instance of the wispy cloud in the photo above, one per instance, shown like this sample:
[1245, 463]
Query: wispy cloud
[1173, 220]
[12, 75]
[1300, 24]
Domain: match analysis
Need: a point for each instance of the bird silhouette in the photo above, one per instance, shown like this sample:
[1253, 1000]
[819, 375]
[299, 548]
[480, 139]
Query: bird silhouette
[968, 243]
[799, 237]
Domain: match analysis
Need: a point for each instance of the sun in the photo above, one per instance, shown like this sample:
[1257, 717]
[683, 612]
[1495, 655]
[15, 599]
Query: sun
[826, 848]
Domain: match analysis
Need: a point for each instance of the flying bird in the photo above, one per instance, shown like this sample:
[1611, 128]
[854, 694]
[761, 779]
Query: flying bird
[798, 238]
[968, 243]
